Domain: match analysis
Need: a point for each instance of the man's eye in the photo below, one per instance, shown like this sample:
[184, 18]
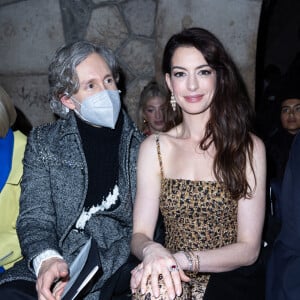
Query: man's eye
[285, 110]
[90, 85]
[109, 80]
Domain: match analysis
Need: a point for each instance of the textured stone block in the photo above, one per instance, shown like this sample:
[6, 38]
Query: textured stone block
[29, 35]
[107, 26]
[141, 16]
[138, 55]
[30, 94]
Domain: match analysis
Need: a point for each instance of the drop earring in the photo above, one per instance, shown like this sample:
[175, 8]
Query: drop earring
[173, 102]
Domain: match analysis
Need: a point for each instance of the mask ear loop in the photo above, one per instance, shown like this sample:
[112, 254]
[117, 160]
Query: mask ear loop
[74, 99]
[76, 102]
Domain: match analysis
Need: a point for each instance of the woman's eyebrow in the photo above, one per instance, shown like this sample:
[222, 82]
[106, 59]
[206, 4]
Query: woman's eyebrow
[182, 68]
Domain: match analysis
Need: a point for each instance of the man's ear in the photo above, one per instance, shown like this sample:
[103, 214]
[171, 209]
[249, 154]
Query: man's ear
[67, 101]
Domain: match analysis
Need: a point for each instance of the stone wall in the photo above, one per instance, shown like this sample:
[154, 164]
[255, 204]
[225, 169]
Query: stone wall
[136, 30]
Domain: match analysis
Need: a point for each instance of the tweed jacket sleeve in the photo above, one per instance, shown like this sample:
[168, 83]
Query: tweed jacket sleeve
[53, 187]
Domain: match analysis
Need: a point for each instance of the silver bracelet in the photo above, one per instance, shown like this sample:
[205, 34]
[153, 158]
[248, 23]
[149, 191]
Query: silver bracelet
[189, 259]
[198, 259]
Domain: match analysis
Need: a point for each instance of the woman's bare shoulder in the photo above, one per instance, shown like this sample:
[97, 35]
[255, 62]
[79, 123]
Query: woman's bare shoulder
[258, 144]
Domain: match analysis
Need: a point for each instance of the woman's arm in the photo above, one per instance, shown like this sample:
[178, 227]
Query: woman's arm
[146, 206]
[251, 214]
[155, 258]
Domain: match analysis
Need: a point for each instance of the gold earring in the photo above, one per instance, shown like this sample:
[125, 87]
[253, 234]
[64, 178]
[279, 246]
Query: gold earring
[173, 102]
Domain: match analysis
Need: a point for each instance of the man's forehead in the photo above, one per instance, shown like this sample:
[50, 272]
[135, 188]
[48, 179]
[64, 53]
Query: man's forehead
[290, 102]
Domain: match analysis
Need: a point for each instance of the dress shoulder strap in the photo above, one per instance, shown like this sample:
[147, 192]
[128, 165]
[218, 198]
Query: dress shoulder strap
[159, 155]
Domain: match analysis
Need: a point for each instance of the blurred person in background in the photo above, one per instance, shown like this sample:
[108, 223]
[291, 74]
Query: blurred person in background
[153, 110]
[12, 146]
[283, 273]
[279, 143]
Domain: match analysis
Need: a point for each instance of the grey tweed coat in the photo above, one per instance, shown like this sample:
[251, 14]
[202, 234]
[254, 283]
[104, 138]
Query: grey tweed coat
[54, 188]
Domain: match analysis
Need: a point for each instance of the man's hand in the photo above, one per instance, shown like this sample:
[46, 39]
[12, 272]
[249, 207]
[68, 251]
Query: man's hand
[51, 270]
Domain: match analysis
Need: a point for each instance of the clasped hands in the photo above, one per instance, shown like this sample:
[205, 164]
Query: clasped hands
[52, 270]
[158, 263]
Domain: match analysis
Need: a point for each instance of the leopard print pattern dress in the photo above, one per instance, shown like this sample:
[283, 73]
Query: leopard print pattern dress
[198, 215]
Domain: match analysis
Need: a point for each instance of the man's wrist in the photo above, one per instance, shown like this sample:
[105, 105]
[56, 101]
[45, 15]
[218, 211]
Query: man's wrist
[37, 262]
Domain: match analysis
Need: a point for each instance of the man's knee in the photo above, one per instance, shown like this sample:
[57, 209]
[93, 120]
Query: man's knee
[18, 290]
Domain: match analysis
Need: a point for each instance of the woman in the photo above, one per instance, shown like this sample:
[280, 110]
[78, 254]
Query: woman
[152, 109]
[12, 146]
[206, 175]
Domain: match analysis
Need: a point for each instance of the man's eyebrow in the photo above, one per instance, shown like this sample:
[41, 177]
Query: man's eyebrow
[108, 75]
[291, 105]
[84, 82]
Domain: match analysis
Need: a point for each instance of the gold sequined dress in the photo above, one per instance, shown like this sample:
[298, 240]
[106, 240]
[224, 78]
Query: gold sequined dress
[198, 215]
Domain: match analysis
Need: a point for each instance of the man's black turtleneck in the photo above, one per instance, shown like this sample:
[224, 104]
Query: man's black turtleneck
[101, 149]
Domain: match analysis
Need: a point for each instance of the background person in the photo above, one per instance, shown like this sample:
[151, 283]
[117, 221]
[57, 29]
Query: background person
[152, 109]
[207, 176]
[283, 275]
[279, 143]
[22, 123]
[278, 147]
[79, 179]
[12, 146]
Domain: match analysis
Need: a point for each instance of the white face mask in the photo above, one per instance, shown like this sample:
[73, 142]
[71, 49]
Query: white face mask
[101, 109]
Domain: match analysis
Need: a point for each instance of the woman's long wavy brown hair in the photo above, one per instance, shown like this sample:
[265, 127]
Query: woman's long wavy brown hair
[231, 113]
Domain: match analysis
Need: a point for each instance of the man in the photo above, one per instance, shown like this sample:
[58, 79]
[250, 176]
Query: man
[283, 276]
[277, 148]
[278, 145]
[79, 177]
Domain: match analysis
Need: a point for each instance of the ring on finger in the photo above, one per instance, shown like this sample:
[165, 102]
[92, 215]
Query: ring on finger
[173, 268]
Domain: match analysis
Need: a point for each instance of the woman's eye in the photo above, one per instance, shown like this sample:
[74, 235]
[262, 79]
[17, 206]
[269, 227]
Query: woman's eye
[205, 73]
[179, 74]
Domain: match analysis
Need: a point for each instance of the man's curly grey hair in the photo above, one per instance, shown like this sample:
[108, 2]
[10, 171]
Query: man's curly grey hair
[62, 74]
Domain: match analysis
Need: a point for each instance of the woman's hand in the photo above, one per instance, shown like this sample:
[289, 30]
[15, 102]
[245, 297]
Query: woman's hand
[157, 262]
